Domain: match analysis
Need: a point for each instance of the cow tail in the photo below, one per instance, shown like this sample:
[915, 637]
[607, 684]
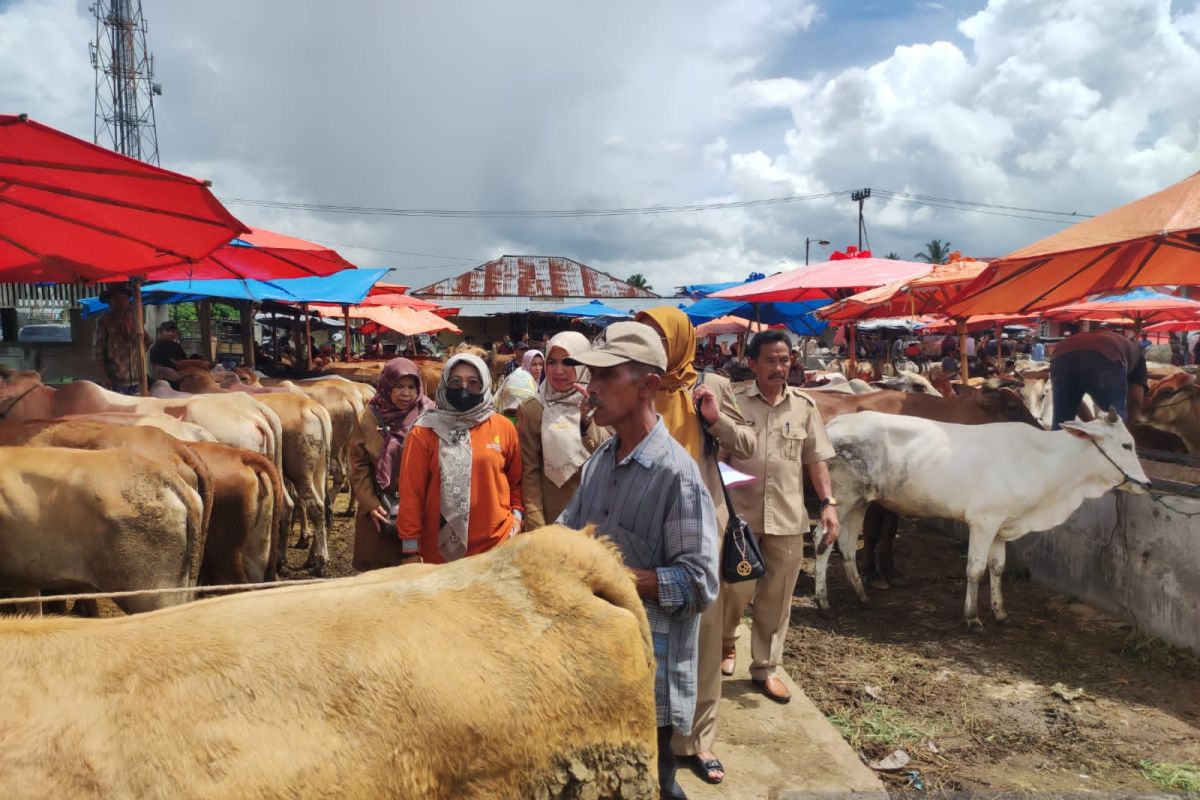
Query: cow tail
[195, 530]
[204, 485]
[269, 481]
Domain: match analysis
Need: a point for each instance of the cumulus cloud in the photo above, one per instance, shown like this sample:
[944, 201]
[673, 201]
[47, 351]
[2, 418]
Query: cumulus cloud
[1069, 105]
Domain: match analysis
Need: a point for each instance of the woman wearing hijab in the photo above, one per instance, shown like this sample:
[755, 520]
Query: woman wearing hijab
[689, 405]
[460, 482]
[534, 363]
[376, 447]
[554, 443]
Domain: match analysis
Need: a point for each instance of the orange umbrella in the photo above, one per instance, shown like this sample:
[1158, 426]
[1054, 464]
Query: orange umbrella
[1154, 241]
[729, 324]
[906, 298]
[1140, 306]
[983, 322]
[405, 321]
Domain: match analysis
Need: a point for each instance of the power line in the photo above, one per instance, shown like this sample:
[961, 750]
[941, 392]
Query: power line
[522, 214]
[993, 209]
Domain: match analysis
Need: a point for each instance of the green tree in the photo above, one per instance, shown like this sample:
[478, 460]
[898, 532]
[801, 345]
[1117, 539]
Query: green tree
[638, 280]
[936, 252]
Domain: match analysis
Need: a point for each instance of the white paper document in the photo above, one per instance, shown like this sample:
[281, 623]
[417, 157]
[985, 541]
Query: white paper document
[732, 477]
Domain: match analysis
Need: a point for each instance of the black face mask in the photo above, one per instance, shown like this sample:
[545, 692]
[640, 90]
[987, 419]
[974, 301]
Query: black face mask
[463, 399]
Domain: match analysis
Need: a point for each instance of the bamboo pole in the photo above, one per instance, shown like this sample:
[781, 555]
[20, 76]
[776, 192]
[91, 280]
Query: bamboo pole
[139, 316]
[307, 338]
[964, 368]
[852, 346]
[204, 312]
[247, 324]
[346, 333]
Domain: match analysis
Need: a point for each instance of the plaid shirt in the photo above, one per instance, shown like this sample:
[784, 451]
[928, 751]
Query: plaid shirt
[117, 344]
[654, 507]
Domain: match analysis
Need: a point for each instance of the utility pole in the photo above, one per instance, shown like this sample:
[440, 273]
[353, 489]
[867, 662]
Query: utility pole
[125, 87]
[859, 196]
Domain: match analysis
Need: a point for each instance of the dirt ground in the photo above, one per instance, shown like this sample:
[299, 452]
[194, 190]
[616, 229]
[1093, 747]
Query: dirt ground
[1059, 699]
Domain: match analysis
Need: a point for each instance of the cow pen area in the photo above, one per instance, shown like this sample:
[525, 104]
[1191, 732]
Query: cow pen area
[1061, 699]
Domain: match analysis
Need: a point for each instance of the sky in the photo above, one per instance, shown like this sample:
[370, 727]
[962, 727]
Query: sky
[1063, 105]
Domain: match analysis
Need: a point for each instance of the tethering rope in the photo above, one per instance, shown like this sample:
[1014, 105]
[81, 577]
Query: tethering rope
[227, 587]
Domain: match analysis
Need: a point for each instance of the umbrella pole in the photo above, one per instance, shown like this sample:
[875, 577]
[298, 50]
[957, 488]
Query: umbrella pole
[346, 333]
[307, 338]
[139, 316]
[962, 350]
[999, 349]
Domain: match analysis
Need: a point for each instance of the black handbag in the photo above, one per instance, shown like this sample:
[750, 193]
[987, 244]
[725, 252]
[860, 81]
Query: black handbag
[741, 558]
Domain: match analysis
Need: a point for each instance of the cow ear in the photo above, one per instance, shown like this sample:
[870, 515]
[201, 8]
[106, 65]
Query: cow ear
[1078, 429]
[1112, 417]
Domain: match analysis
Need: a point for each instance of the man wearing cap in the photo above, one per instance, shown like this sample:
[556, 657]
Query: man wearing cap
[117, 344]
[166, 353]
[644, 491]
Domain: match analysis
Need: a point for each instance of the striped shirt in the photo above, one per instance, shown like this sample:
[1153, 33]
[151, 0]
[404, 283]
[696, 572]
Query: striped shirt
[654, 507]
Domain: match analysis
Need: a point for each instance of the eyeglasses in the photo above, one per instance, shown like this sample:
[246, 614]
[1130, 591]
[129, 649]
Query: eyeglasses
[473, 386]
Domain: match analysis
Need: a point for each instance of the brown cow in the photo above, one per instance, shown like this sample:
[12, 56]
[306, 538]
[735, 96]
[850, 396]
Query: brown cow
[306, 436]
[97, 520]
[1173, 405]
[523, 672]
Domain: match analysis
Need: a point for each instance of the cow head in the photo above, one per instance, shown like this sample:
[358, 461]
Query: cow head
[909, 382]
[1114, 441]
[15, 386]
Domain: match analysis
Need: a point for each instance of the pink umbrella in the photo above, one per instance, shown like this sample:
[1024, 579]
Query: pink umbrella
[826, 279]
[729, 324]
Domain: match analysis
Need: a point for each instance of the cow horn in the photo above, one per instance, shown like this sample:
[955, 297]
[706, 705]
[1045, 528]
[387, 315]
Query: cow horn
[1112, 417]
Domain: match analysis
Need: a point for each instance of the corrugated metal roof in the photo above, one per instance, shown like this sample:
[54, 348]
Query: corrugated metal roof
[484, 307]
[533, 276]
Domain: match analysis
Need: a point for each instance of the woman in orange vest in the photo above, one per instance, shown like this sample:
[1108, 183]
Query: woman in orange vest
[460, 481]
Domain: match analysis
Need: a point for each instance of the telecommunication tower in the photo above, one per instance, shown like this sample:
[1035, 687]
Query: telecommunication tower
[125, 87]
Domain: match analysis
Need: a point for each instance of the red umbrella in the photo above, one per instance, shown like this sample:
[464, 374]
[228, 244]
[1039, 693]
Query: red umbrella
[905, 298]
[984, 322]
[854, 272]
[72, 211]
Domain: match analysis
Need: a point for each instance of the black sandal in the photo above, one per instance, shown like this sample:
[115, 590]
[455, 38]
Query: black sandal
[705, 769]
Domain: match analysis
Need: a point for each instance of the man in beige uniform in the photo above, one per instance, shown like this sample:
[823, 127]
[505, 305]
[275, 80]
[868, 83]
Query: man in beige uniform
[791, 438]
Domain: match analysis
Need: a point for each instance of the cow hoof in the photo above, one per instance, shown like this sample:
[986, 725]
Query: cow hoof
[898, 580]
[878, 583]
[1001, 620]
[825, 614]
[975, 626]
[317, 570]
[303, 543]
[864, 602]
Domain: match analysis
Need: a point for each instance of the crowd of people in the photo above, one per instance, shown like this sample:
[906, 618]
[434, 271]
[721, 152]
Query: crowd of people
[624, 433]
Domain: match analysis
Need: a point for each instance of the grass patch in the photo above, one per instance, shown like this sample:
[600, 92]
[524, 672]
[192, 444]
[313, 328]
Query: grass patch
[1172, 777]
[1154, 652]
[879, 724]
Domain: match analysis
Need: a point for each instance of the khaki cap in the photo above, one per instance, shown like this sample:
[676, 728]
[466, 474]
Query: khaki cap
[624, 342]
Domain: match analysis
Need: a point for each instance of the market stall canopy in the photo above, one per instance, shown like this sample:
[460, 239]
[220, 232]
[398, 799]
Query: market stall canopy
[73, 211]
[796, 317]
[912, 298]
[341, 288]
[1141, 306]
[729, 324]
[260, 255]
[1154, 241]
[1178, 326]
[982, 322]
[593, 309]
[854, 271]
[405, 321]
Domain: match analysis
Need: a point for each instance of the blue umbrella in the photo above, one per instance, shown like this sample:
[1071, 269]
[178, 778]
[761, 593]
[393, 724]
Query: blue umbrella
[798, 317]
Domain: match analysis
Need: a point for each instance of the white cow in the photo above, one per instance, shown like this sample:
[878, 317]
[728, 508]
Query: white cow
[1003, 480]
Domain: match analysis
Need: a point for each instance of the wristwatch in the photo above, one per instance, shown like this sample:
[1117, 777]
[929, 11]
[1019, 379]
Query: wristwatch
[828, 501]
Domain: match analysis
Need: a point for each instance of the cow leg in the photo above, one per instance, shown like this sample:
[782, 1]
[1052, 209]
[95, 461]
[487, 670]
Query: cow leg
[996, 571]
[33, 608]
[874, 524]
[978, 547]
[312, 507]
[851, 519]
[294, 512]
[884, 555]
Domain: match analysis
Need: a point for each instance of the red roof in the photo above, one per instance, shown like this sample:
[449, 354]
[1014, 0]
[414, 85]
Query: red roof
[533, 276]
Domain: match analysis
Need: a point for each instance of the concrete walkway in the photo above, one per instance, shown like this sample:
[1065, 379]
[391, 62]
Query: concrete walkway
[778, 751]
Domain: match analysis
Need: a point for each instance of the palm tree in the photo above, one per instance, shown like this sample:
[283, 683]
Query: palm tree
[936, 252]
[638, 281]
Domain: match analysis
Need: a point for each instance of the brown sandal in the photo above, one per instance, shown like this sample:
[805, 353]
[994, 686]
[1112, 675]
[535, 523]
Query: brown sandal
[728, 661]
